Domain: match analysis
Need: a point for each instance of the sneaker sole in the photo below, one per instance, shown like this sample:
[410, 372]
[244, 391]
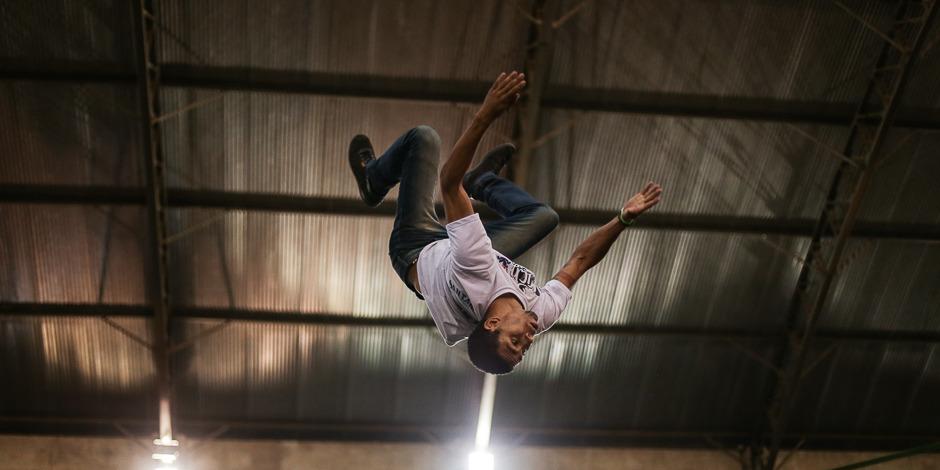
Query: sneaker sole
[359, 172]
[506, 149]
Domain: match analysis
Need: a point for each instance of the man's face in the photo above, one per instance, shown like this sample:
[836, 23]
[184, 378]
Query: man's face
[516, 334]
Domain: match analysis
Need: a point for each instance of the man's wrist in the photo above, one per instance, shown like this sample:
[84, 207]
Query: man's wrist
[484, 117]
[625, 218]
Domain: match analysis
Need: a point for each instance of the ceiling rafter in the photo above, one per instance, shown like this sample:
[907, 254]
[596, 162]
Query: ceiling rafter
[654, 103]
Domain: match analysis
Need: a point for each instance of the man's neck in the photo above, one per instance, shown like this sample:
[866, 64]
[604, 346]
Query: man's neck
[502, 304]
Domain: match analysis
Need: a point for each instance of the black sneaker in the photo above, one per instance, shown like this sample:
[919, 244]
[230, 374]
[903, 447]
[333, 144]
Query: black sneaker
[361, 153]
[493, 162]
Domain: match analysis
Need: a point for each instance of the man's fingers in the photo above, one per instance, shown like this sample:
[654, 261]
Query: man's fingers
[511, 87]
[646, 192]
[517, 88]
[651, 189]
[511, 94]
[510, 84]
[503, 79]
[647, 205]
[498, 81]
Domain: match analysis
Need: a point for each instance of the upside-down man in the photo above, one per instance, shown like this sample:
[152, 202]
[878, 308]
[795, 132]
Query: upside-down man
[464, 269]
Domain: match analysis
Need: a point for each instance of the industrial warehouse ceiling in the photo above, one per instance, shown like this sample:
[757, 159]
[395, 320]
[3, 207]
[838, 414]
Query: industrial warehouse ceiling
[285, 318]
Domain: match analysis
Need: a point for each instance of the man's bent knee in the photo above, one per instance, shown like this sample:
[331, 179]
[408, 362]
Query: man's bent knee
[546, 218]
[424, 135]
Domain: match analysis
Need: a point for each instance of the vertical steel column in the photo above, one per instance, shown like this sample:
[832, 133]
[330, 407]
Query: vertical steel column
[148, 79]
[538, 64]
[824, 257]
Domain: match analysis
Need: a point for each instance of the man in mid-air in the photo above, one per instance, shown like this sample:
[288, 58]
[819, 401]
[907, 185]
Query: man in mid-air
[464, 269]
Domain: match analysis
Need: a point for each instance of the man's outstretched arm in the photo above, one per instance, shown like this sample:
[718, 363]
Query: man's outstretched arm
[502, 95]
[595, 246]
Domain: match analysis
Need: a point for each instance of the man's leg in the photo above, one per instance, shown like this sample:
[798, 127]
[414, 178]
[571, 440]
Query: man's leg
[525, 221]
[413, 161]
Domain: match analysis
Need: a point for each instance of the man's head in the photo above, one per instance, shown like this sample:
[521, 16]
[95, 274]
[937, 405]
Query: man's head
[501, 339]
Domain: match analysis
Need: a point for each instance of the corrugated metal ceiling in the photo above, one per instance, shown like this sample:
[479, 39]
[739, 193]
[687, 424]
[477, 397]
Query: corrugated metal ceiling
[75, 367]
[805, 50]
[873, 388]
[904, 188]
[71, 254]
[326, 374]
[89, 31]
[55, 133]
[586, 381]
[397, 38]
[708, 166]
[887, 285]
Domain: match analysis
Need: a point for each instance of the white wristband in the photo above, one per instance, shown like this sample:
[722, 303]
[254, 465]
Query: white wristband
[625, 222]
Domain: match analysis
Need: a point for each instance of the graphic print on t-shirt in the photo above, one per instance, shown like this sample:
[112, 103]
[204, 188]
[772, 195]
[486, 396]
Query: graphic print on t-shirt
[463, 300]
[523, 277]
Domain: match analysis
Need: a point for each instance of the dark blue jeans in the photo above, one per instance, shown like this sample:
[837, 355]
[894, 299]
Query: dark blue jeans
[413, 161]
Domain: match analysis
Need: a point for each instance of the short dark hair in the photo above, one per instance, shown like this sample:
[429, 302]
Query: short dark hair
[483, 349]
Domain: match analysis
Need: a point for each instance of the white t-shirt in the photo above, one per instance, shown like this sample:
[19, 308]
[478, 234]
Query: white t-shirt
[461, 275]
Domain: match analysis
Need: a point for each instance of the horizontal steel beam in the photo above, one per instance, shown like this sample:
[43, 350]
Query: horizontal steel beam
[75, 309]
[72, 194]
[226, 200]
[619, 101]
[435, 433]
[306, 318]
[447, 90]
[728, 107]
[67, 71]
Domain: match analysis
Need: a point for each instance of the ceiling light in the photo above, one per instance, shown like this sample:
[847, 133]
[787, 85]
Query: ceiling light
[481, 460]
[163, 457]
[166, 441]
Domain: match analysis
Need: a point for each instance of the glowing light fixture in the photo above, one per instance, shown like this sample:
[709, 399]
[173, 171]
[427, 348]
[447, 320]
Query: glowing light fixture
[481, 458]
[163, 457]
[165, 452]
[166, 441]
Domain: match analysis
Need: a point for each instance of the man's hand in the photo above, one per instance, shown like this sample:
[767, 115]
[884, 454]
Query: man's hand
[502, 95]
[596, 245]
[642, 200]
